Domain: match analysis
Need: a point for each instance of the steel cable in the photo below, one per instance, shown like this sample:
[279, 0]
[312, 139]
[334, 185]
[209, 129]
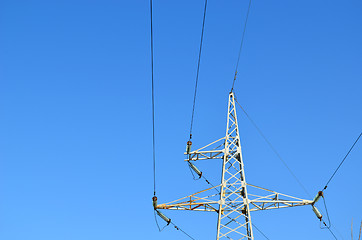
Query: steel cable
[273, 149]
[153, 107]
[177, 228]
[260, 231]
[241, 45]
[198, 70]
[325, 187]
[332, 233]
[330, 179]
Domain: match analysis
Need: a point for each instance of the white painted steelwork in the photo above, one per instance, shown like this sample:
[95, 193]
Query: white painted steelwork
[233, 199]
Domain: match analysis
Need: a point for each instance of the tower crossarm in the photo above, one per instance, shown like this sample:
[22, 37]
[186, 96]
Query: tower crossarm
[265, 199]
[205, 200]
[214, 150]
[205, 155]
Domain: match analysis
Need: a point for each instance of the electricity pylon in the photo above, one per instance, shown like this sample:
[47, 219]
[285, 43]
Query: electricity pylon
[233, 199]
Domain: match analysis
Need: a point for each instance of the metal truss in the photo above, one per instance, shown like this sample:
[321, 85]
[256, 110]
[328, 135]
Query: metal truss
[209, 202]
[231, 199]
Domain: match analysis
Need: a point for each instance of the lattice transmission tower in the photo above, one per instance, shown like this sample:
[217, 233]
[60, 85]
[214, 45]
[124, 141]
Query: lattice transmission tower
[233, 199]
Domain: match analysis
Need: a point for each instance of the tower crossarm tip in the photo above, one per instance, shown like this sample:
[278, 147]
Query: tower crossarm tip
[200, 201]
[214, 150]
[266, 199]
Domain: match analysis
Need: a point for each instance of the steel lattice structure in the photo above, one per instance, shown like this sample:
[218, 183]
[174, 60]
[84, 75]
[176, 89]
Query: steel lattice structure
[233, 199]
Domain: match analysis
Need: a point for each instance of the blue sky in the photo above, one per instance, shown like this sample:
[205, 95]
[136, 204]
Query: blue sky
[75, 105]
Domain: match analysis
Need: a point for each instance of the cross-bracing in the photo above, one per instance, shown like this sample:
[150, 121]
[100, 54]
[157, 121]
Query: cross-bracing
[234, 199]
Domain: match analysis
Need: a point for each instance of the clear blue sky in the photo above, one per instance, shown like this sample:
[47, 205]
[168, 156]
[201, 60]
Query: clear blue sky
[75, 112]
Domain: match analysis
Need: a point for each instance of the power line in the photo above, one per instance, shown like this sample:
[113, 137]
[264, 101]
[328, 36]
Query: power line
[332, 233]
[273, 148]
[198, 70]
[329, 225]
[170, 222]
[158, 226]
[153, 108]
[241, 45]
[329, 220]
[336, 230]
[177, 228]
[325, 187]
[260, 231]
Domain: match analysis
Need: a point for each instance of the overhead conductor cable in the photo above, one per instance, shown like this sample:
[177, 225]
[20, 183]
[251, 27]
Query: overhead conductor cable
[330, 179]
[189, 143]
[241, 46]
[154, 198]
[320, 193]
[153, 109]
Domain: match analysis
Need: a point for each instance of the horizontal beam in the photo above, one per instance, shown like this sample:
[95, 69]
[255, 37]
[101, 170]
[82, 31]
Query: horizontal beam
[205, 155]
[213, 205]
[208, 203]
